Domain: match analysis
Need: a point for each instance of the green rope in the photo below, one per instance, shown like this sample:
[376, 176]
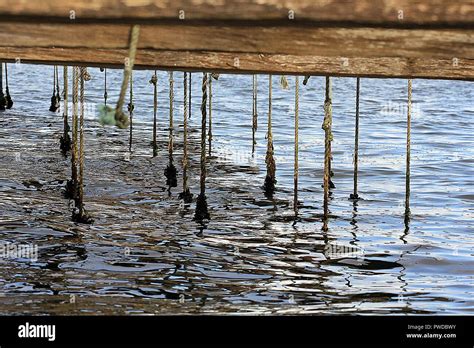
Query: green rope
[121, 119]
[284, 82]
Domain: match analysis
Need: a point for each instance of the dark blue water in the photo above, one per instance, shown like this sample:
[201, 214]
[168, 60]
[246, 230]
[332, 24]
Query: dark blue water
[145, 254]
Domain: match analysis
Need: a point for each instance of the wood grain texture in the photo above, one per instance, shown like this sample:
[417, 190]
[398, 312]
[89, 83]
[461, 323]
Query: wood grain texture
[439, 13]
[223, 62]
[296, 40]
[287, 47]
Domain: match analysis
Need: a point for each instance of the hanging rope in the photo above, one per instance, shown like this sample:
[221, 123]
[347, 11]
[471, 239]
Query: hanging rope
[254, 113]
[270, 180]
[3, 101]
[407, 176]
[65, 141]
[210, 114]
[216, 77]
[75, 123]
[201, 203]
[354, 195]
[121, 118]
[71, 185]
[297, 109]
[154, 81]
[8, 97]
[130, 111]
[106, 113]
[327, 142]
[186, 196]
[105, 86]
[170, 171]
[171, 97]
[284, 82]
[80, 174]
[54, 107]
[58, 97]
[80, 213]
[190, 94]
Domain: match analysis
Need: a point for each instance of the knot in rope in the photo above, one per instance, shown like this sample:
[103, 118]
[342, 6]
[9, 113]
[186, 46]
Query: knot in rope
[87, 76]
[154, 80]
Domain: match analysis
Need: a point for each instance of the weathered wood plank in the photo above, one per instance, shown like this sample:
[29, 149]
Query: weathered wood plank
[249, 62]
[439, 13]
[295, 40]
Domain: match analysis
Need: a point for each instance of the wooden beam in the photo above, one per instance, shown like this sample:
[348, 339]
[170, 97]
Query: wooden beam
[462, 69]
[294, 40]
[298, 49]
[435, 13]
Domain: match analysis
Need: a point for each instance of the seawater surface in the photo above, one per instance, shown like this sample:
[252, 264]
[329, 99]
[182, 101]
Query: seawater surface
[145, 254]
